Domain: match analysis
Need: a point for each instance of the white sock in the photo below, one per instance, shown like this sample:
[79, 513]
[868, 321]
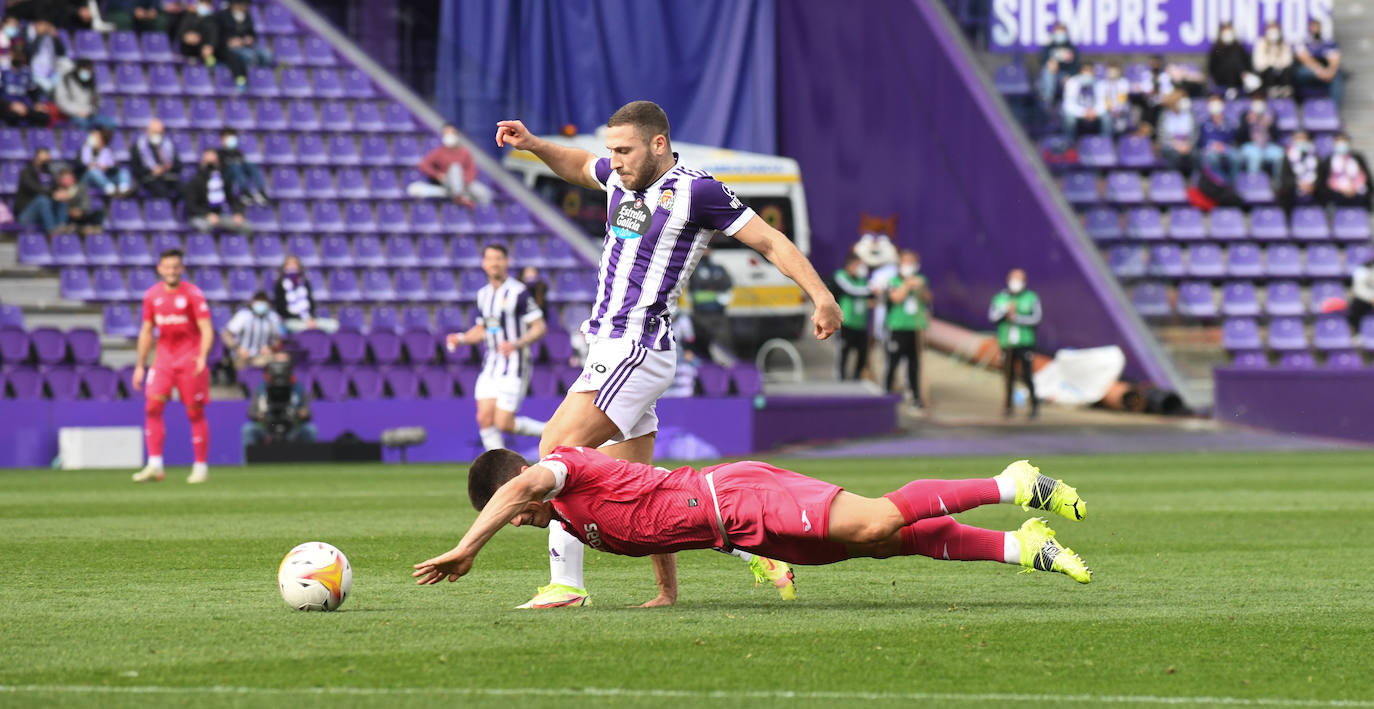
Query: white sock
[492, 438]
[565, 557]
[155, 461]
[1006, 487]
[746, 556]
[1011, 549]
[526, 426]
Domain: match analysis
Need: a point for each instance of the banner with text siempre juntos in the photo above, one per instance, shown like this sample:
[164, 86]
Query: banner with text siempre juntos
[1153, 26]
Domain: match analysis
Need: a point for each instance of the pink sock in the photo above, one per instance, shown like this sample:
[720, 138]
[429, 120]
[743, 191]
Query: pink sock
[154, 432]
[920, 499]
[943, 538]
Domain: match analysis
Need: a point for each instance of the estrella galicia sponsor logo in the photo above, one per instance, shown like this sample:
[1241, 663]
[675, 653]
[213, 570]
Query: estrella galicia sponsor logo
[631, 219]
[592, 535]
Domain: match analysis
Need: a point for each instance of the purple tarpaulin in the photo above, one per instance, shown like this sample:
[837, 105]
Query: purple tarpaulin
[1334, 404]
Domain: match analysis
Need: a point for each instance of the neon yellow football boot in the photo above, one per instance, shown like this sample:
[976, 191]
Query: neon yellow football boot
[777, 573]
[557, 595]
[1043, 492]
[1040, 551]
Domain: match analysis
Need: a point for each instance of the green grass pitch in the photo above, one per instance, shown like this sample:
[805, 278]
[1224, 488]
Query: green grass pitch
[1219, 580]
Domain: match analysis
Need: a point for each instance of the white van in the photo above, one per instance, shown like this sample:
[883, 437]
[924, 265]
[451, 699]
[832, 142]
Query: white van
[764, 303]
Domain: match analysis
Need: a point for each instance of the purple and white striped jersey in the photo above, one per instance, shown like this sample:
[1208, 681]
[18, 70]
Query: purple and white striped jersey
[654, 239]
[504, 313]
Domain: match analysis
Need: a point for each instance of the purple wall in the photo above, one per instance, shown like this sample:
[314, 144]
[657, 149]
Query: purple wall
[1334, 404]
[887, 116]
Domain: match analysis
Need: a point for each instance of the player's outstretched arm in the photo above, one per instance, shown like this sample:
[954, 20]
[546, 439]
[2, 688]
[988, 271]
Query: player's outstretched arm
[781, 252]
[145, 345]
[571, 164]
[512, 500]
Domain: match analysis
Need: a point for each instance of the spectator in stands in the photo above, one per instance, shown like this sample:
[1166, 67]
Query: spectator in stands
[1214, 146]
[17, 106]
[709, 290]
[199, 31]
[452, 173]
[253, 335]
[34, 200]
[240, 37]
[78, 99]
[854, 296]
[1272, 60]
[138, 15]
[1058, 60]
[1228, 64]
[76, 15]
[1320, 62]
[294, 302]
[1177, 132]
[46, 55]
[74, 198]
[280, 409]
[245, 177]
[210, 197]
[907, 320]
[11, 43]
[101, 170]
[155, 162]
[1301, 166]
[1343, 178]
[1016, 312]
[1258, 137]
[537, 287]
[1085, 105]
[173, 11]
[1116, 95]
[1361, 302]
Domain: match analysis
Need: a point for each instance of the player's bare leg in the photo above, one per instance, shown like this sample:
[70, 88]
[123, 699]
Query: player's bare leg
[509, 422]
[486, 425]
[154, 434]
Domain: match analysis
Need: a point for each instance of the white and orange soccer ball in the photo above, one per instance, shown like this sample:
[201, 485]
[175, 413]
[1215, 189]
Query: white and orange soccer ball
[314, 577]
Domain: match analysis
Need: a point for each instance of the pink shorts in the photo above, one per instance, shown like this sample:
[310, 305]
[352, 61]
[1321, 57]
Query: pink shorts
[164, 376]
[776, 513]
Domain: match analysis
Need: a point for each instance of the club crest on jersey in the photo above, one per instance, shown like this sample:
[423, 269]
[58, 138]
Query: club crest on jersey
[180, 302]
[630, 220]
[666, 199]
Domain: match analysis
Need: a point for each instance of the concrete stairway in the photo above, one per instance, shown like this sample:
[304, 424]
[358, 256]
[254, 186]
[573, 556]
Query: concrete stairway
[1355, 33]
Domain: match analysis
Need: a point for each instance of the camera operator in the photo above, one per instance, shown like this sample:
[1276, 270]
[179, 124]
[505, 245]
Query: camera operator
[280, 410]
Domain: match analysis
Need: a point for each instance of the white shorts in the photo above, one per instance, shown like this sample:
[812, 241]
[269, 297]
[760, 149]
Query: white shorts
[508, 391]
[628, 378]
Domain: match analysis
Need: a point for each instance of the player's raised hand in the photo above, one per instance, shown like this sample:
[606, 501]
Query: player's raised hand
[827, 319]
[138, 378]
[514, 134]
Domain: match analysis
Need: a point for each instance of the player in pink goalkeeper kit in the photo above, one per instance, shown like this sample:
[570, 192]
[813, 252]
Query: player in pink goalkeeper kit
[635, 509]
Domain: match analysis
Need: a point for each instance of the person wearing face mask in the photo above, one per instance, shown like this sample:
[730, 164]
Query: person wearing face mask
[254, 334]
[1258, 137]
[201, 39]
[1361, 303]
[1272, 59]
[78, 99]
[245, 177]
[1016, 312]
[1214, 140]
[46, 55]
[1177, 132]
[11, 43]
[1116, 95]
[1343, 177]
[908, 317]
[1319, 59]
[1085, 105]
[1298, 185]
[210, 196]
[17, 104]
[451, 173]
[74, 199]
[852, 292]
[1228, 64]
[293, 300]
[137, 15]
[240, 36]
[538, 288]
[35, 200]
[156, 165]
[1058, 61]
[101, 170]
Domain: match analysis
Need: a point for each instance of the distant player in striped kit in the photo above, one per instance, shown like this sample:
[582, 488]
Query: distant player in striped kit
[661, 215]
[508, 321]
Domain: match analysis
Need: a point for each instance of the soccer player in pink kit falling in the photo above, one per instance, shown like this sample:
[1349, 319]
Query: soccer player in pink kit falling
[636, 509]
[184, 335]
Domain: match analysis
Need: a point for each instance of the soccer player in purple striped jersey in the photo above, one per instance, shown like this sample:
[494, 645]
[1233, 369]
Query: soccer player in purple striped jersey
[508, 322]
[660, 217]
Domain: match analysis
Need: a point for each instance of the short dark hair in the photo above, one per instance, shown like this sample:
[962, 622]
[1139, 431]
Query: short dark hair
[497, 247]
[260, 295]
[647, 117]
[171, 253]
[489, 472]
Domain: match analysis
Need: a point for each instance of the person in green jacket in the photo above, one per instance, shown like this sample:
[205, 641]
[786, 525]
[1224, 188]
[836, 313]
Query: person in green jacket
[853, 294]
[908, 316]
[1016, 311]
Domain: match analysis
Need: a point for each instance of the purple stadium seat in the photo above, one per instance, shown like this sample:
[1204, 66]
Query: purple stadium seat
[26, 384]
[319, 183]
[1309, 224]
[32, 248]
[747, 379]
[234, 250]
[1287, 335]
[109, 285]
[43, 138]
[314, 346]
[119, 145]
[49, 345]
[543, 382]
[437, 382]
[136, 111]
[287, 51]
[1151, 299]
[406, 150]
[1344, 360]
[1297, 360]
[357, 85]
[156, 47]
[11, 316]
[242, 284]
[75, 284]
[71, 142]
[420, 346]
[102, 383]
[442, 286]
[330, 382]
[1166, 261]
[1350, 224]
[195, 78]
[129, 79]
[303, 247]
[457, 219]
[334, 116]
[1269, 224]
[140, 280]
[9, 177]
[1195, 300]
[376, 285]
[1012, 80]
[1240, 334]
[415, 317]
[402, 383]
[285, 183]
[1123, 187]
[268, 250]
[1283, 298]
[385, 344]
[410, 285]
[367, 251]
[84, 345]
[350, 346]
[1226, 224]
[559, 253]
[470, 282]
[211, 283]
[1319, 114]
[124, 47]
[518, 219]
[343, 150]
[352, 184]
[1206, 261]
[262, 82]
[310, 149]
[1186, 224]
[570, 286]
[526, 252]
[466, 252]
[88, 44]
[14, 346]
[318, 52]
[201, 250]
[172, 111]
[1357, 254]
[328, 84]
[1285, 114]
[302, 116]
[367, 383]
[239, 115]
[449, 318]
[1144, 223]
[1254, 188]
[383, 184]
[1331, 333]
[1367, 333]
[117, 321]
[1324, 261]
[424, 218]
[487, 219]
[397, 116]
[1283, 261]
[276, 19]
[367, 117]
[12, 145]
[714, 380]
[334, 251]
[558, 346]
[466, 378]
[293, 216]
[359, 219]
[158, 214]
[296, 84]
[343, 285]
[1168, 187]
[375, 150]
[1136, 152]
[220, 315]
[125, 216]
[277, 150]
[1096, 151]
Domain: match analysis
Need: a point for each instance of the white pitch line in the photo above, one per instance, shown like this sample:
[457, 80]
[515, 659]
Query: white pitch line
[613, 692]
